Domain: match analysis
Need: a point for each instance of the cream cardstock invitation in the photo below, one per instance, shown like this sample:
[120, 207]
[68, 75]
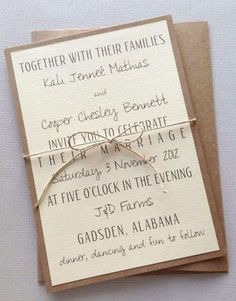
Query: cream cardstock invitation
[193, 40]
[106, 215]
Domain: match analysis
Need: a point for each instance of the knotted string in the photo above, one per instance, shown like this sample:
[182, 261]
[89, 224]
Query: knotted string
[113, 140]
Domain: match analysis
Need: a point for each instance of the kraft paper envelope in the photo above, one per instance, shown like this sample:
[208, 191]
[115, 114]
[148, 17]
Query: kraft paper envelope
[193, 41]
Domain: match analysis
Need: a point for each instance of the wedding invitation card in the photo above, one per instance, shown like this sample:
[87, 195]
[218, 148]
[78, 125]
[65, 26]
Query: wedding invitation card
[137, 196]
[194, 44]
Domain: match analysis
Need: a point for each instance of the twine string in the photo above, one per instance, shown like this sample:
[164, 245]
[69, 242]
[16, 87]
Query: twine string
[25, 156]
[113, 140]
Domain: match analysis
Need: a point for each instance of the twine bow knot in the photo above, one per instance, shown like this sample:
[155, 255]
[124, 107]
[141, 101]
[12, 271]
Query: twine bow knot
[103, 140]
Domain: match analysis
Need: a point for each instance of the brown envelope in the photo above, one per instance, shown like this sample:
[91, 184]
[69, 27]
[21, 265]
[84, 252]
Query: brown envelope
[194, 45]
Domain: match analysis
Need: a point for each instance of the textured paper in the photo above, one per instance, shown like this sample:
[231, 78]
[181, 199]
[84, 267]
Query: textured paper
[55, 231]
[194, 44]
